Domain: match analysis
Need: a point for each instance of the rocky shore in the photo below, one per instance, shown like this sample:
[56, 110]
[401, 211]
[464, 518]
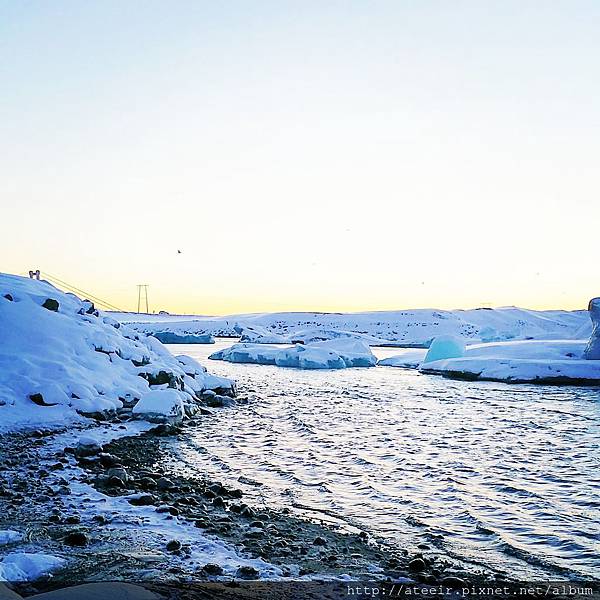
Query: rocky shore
[62, 501]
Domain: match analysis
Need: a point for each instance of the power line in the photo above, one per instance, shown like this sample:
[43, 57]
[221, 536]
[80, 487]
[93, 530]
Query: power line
[77, 291]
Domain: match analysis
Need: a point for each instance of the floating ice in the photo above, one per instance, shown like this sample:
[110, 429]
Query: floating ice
[445, 346]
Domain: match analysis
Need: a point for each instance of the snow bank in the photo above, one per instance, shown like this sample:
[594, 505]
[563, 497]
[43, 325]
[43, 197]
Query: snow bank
[8, 536]
[24, 566]
[552, 362]
[60, 358]
[332, 354]
[161, 405]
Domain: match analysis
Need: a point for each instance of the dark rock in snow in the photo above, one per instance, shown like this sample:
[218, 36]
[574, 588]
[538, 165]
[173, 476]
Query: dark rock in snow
[141, 500]
[246, 572]
[39, 400]
[50, 304]
[212, 569]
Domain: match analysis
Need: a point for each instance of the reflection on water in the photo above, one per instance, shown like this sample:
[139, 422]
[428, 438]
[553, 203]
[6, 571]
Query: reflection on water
[504, 475]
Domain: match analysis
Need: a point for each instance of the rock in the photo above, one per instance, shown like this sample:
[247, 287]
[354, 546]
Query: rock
[592, 350]
[115, 482]
[173, 546]
[218, 501]
[99, 591]
[147, 483]
[118, 472]
[164, 429]
[416, 565]
[212, 569]
[50, 304]
[73, 519]
[108, 460]
[164, 484]
[454, 582]
[320, 541]
[9, 297]
[247, 572]
[141, 499]
[76, 538]
[87, 446]
[39, 400]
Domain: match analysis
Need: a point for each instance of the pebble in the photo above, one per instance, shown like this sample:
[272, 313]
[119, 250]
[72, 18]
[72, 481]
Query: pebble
[417, 565]
[174, 546]
[247, 572]
[76, 538]
[212, 569]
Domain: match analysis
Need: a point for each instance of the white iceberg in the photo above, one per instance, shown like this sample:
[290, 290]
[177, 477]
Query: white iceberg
[532, 361]
[592, 350]
[331, 354]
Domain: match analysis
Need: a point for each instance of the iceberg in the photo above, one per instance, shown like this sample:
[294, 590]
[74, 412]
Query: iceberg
[531, 361]
[445, 346]
[331, 354]
[592, 350]
[174, 337]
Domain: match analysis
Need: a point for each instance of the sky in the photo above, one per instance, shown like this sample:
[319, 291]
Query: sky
[303, 155]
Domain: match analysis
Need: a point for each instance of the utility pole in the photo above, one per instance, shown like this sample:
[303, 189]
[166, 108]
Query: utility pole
[143, 291]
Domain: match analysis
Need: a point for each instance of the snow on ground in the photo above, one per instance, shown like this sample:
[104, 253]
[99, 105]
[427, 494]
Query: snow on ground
[60, 358]
[403, 327]
[531, 361]
[28, 566]
[332, 354]
[8, 536]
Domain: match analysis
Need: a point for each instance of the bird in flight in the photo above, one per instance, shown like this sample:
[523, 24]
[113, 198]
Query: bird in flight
[178, 251]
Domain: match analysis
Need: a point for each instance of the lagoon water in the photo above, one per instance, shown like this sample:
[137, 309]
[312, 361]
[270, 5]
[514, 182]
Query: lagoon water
[504, 476]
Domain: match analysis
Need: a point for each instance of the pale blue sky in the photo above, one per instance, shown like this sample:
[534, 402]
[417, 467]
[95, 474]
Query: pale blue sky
[304, 155]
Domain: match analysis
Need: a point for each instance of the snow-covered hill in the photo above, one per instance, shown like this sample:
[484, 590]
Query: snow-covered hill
[60, 357]
[403, 328]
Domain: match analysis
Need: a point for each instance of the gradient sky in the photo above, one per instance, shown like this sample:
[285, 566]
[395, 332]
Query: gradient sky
[304, 155]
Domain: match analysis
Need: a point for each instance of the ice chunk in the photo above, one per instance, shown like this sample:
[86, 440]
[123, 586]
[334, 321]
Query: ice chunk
[445, 346]
[174, 337]
[592, 351]
[330, 354]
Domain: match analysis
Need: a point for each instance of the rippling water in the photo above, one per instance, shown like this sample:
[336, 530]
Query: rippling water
[506, 476]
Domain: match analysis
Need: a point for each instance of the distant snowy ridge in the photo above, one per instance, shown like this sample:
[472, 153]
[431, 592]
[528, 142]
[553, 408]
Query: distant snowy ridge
[409, 328]
[60, 357]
